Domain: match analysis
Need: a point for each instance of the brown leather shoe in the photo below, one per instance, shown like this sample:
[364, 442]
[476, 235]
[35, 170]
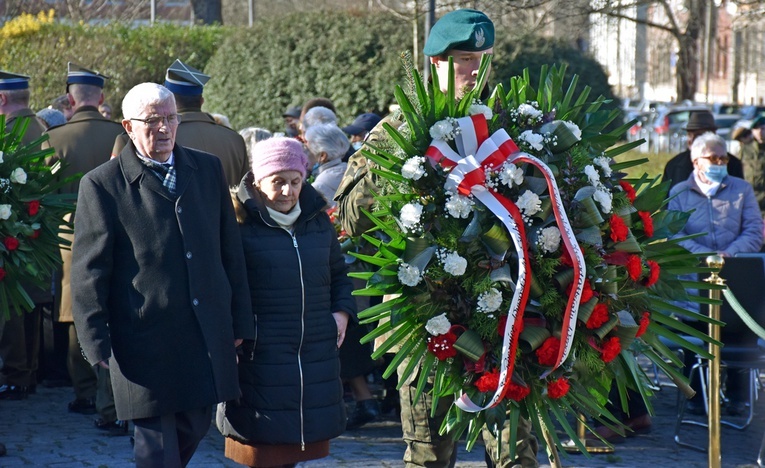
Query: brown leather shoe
[633, 427]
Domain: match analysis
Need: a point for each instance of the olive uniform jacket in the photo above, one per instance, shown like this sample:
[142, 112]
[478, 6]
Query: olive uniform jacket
[159, 283]
[83, 143]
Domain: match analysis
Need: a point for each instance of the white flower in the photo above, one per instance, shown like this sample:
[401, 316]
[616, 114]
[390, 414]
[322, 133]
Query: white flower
[409, 275]
[489, 301]
[529, 203]
[413, 168]
[529, 111]
[454, 264]
[604, 164]
[1, 157]
[549, 239]
[438, 325]
[458, 206]
[410, 215]
[5, 211]
[481, 109]
[19, 176]
[592, 174]
[604, 197]
[573, 128]
[511, 174]
[533, 139]
[442, 130]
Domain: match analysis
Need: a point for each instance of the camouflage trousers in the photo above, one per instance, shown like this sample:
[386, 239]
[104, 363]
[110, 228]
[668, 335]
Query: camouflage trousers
[426, 447]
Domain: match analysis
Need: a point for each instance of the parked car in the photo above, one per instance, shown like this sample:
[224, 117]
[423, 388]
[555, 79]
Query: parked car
[726, 123]
[669, 128]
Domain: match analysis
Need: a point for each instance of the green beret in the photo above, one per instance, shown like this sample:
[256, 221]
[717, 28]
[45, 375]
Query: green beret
[465, 29]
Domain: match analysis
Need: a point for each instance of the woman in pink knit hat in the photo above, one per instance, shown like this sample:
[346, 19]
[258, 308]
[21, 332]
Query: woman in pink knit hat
[292, 397]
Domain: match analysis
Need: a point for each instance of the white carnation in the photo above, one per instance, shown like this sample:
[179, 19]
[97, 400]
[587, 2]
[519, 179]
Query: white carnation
[511, 174]
[5, 211]
[413, 168]
[1, 157]
[529, 203]
[605, 199]
[442, 130]
[454, 264]
[549, 239]
[573, 128]
[19, 176]
[529, 111]
[592, 174]
[481, 109]
[489, 301]
[533, 139]
[458, 206]
[410, 215]
[438, 325]
[409, 275]
[604, 164]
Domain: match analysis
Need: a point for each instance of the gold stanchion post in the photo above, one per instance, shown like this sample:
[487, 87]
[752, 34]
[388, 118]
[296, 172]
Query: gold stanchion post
[715, 457]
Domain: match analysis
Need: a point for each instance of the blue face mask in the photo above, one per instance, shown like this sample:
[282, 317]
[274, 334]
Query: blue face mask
[357, 145]
[716, 173]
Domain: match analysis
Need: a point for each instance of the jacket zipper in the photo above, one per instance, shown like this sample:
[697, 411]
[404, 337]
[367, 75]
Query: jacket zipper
[300, 347]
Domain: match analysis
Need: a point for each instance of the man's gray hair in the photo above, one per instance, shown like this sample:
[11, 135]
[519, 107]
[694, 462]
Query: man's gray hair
[327, 138]
[142, 96]
[318, 116]
[84, 94]
[17, 96]
[705, 142]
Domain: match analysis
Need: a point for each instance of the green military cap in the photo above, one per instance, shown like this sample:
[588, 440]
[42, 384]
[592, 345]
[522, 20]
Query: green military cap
[464, 29]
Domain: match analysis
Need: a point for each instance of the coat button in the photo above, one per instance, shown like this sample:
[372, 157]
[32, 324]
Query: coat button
[188, 255]
[180, 210]
[195, 302]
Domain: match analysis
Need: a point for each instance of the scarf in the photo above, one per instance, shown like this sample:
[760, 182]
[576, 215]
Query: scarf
[285, 220]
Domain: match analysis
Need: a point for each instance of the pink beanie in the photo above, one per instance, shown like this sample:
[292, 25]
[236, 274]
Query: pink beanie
[277, 154]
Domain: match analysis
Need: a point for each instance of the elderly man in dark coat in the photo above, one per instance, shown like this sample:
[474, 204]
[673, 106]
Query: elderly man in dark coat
[159, 283]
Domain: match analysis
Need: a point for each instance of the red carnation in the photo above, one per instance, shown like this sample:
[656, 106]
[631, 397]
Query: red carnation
[488, 382]
[611, 348]
[629, 190]
[547, 354]
[644, 321]
[35, 234]
[619, 230]
[647, 222]
[2, 273]
[634, 267]
[11, 243]
[586, 291]
[653, 275]
[565, 259]
[516, 392]
[557, 388]
[443, 345]
[33, 207]
[598, 317]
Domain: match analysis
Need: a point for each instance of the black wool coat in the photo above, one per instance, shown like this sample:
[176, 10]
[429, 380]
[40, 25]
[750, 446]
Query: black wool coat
[291, 389]
[158, 283]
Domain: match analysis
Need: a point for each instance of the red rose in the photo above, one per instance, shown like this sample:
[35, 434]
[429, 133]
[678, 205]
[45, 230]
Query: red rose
[547, 354]
[35, 234]
[516, 392]
[2, 274]
[557, 388]
[647, 222]
[598, 317]
[653, 274]
[611, 348]
[33, 207]
[645, 320]
[488, 382]
[629, 190]
[443, 345]
[619, 230]
[586, 292]
[634, 267]
[11, 243]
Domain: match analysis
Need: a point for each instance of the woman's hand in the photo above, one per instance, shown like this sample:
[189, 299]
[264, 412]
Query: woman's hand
[341, 319]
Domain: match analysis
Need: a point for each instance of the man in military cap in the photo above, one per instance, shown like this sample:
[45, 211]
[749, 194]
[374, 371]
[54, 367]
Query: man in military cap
[466, 35]
[291, 118]
[20, 340]
[83, 143]
[360, 128]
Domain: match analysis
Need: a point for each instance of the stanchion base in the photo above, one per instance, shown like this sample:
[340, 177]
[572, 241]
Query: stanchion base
[570, 447]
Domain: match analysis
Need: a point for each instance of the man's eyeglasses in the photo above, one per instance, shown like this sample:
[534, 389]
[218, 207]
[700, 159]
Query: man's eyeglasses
[719, 160]
[155, 121]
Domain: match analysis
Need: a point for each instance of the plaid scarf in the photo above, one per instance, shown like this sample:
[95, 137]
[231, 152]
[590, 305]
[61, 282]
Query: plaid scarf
[165, 172]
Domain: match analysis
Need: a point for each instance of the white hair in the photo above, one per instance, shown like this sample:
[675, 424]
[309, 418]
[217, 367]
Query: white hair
[142, 96]
[327, 138]
[707, 141]
[317, 116]
[252, 135]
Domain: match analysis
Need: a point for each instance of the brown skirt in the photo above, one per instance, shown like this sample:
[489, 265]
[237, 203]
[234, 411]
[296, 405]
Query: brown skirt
[274, 455]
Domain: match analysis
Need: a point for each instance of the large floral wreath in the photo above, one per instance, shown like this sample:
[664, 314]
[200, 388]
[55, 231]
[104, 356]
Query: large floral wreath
[31, 217]
[524, 271]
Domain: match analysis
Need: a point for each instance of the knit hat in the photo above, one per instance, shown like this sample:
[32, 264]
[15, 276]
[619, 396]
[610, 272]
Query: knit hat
[276, 155]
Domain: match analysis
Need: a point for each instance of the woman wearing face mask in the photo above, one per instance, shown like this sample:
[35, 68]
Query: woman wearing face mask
[726, 210]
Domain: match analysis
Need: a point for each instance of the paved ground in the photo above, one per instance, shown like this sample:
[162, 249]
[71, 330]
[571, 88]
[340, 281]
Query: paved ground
[39, 432]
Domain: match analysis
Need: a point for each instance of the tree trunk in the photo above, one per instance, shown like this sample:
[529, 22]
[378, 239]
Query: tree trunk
[207, 11]
[687, 68]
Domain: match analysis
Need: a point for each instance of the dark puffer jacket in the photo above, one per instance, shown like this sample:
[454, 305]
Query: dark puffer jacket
[291, 389]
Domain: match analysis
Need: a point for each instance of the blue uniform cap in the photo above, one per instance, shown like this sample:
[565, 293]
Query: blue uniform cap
[80, 75]
[9, 81]
[183, 79]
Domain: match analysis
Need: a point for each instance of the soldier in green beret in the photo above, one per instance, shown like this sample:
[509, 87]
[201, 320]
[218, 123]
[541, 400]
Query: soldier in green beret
[465, 35]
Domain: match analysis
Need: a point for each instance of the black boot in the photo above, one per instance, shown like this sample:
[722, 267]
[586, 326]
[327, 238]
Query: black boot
[364, 412]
